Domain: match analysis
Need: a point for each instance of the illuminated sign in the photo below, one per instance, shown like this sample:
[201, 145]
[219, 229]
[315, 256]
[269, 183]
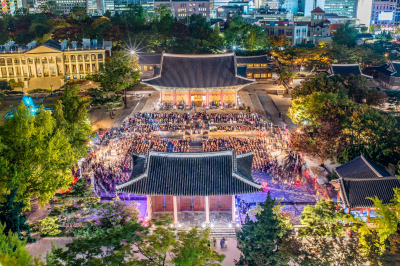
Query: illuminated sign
[385, 15]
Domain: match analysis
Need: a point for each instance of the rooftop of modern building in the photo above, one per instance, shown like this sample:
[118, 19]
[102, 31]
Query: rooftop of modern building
[86, 44]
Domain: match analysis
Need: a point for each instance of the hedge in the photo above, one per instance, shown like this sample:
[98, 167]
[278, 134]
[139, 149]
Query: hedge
[38, 90]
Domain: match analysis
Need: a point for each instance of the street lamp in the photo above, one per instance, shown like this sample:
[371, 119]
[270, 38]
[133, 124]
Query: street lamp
[132, 52]
[51, 86]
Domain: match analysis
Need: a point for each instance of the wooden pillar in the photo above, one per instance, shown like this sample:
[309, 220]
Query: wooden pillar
[349, 210]
[207, 208]
[369, 213]
[233, 209]
[207, 98]
[149, 210]
[161, 96]
[222, 98]
[236, 98]
[175, 97]
[189, 99]
[175, 209]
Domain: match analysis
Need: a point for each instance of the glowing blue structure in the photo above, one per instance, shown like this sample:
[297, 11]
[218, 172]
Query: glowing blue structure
[33, 109]
[27, 100]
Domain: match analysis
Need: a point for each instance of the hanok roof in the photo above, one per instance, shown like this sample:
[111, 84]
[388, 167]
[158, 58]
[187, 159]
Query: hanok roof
[364, 35]
[191, 174]
[198, 71]
[346, 70]
[356, 190]
[261, 59]
[150, 59]
[318, 10]
[361, 167]
[389, 69]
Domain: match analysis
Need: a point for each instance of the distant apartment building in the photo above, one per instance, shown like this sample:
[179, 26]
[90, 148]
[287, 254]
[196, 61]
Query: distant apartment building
[66, 6]
[383, 13]
[183, 9]
[297, 33]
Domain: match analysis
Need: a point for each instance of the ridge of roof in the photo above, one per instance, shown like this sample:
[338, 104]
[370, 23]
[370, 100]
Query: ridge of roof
[369, 179]
[318, 9]
[251, 56]
[190, 154]
[247, 181]
[370, 166]
[198, 55]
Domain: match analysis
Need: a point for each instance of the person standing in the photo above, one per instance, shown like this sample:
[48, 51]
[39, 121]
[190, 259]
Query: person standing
[222, 243]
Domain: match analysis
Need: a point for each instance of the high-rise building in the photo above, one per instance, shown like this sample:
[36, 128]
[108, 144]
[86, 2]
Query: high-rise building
[290, 5]
[363, 12]
[341, 7]
[359, 9]
[384, 13]
[182, 9]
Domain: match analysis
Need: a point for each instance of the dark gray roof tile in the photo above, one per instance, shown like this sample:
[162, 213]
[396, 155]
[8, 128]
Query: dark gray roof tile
[198, 71]
[193, 174]
[361, 167]
[357, 190]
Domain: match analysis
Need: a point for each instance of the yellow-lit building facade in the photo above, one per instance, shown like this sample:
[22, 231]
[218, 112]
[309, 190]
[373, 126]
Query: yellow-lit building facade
[52, 61]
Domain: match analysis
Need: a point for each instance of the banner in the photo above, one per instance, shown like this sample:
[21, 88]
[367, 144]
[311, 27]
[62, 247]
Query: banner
[19, 4]
[4, 6]
[12, 7]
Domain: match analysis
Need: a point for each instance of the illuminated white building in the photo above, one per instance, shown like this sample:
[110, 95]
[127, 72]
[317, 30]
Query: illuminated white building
[383, 13]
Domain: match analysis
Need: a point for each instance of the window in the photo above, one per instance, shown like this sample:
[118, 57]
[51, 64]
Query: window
[263, 76]
[249, 65]
[150, 68]
[249, 75]
[269, 75]
[264, 65]
[256, 76]
[144, 68]
[256, 65]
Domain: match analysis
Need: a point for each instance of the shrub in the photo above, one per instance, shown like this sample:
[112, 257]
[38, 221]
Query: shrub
[38, 90]
[47, 226]
[14, 92]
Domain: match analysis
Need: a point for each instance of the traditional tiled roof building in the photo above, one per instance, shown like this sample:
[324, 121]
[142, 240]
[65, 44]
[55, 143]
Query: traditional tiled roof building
[389, 75]
[175, 182]
[198, 79]
[360, 179]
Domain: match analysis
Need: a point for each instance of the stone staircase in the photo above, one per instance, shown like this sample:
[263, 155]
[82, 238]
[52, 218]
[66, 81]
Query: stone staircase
[196, 145]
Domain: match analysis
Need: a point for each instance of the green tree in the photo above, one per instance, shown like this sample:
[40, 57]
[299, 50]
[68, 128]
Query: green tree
[216, 38]
[48, 226]
[13, 251]
[364, 29]
[119, 72]
[12, 218]
[194, 248]
[320, 83]
[321, 140]
[38, 156]
[260, 241]
[306, 110]
[345, 35]
[5, 88]
[72, 118]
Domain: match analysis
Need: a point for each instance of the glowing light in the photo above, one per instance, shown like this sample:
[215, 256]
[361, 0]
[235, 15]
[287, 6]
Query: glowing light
[133, 52]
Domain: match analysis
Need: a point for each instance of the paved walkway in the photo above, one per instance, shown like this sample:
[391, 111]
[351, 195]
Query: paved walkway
[42, 246]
